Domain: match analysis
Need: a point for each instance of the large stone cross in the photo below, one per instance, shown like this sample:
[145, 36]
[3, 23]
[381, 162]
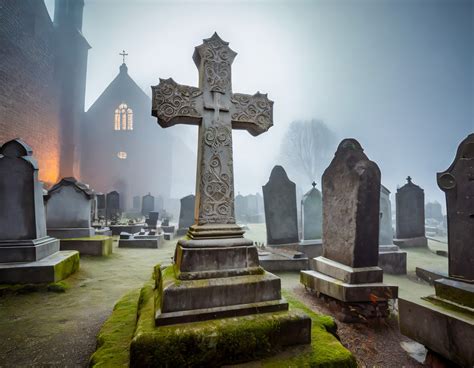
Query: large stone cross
[216, 110]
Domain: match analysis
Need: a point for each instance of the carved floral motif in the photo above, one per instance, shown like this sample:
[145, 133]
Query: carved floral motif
[256, 109]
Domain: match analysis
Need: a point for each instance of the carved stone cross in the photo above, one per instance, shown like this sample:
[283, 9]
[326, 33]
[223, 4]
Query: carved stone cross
[216, 110]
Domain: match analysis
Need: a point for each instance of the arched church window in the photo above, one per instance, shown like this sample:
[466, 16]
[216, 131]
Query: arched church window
[122, 155]
[123, 118]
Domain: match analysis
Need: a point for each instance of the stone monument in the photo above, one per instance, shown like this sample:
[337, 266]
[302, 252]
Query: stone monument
[113, 205]
[347, 274]
[410, 216]
[391, 258]
[148, 204]
[444, 322]
[68, 209]
[27, 253]
[216, 271]
[186, 214]
[279, 198]
[101, 205]
[312, 223]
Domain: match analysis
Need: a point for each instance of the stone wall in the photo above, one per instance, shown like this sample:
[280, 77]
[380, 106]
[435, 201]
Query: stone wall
[29, 105]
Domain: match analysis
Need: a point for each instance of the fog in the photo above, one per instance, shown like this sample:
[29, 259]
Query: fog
[396, 75]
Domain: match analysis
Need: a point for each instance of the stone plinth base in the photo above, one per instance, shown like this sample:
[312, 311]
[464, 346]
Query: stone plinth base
[348, 274]
[27, 250]
[140, 243]
[411, 242]
[282, 263]
[442, 328]
[392, 260]
[95, 246]
[132, 229]
[53, 268]
[312, 248]
[430, 275]
[104, 231]
[68, 233]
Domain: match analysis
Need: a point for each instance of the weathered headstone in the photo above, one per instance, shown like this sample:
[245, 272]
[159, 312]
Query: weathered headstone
[113, 205]
[312, 215]
[68, 209]
[444, 323]
[410, 216]
[215, 251]
[391, 259]
[148, 204]
[347, 272]
[101, 205]
[279, 198]
[186, 214]
[27, 253]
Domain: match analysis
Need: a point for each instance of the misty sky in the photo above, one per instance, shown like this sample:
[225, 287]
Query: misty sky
[397, 75]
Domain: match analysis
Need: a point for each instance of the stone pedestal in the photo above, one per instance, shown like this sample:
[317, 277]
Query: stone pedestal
[98, 245]
[140, 241]
[392, 260]
[311, 248]
[419, 241]
[68, 233]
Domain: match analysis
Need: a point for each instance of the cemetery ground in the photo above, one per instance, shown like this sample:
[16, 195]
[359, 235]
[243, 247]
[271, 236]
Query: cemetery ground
[58, 329]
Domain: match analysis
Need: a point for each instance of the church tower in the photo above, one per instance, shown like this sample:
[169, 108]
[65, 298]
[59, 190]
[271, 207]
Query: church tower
[71, 70]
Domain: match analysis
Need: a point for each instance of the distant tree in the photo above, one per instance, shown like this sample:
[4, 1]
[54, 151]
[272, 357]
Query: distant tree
[307, 147]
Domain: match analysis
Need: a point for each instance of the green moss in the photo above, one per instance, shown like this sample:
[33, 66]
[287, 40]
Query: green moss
[89, 238]
[113, 340]
[58, 287]
[7, 289]
[67, 267]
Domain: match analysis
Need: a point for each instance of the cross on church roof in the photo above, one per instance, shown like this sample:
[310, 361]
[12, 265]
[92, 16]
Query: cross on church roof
[409, 179]
[123, 54]
[313, 184]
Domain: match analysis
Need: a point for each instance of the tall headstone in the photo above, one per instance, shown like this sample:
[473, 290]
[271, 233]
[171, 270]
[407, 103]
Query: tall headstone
[311, 223]
[101, 205]
[27, 253]
[391, 259]
[347, 272]
[279, 198]
[186, 214]
[410, 216]
[231, 283]
[148, 204]
[68, 209]
[444, 322]
[113, 205]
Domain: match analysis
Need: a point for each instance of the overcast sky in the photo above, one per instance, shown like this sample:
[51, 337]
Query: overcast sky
[397, 75]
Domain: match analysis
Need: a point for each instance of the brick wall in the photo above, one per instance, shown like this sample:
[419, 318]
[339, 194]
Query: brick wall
[29, 104]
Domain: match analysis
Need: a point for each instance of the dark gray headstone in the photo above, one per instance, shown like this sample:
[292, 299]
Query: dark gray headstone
[113, 205]
[186, 213]
[312, 214]
[458, 184]
[101, 205]
[410, 211]
[386, 229]
[351, 192]
[279, 197]
[148, 204]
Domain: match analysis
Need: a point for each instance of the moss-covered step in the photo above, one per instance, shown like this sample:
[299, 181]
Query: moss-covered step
[53, 268]
[98, 245]
[130, 338]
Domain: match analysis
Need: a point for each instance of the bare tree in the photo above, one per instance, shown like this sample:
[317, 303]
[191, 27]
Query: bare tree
[307, 148]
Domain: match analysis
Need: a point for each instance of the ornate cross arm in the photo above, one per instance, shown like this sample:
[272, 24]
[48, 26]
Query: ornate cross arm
[253, 113]
[174, 103]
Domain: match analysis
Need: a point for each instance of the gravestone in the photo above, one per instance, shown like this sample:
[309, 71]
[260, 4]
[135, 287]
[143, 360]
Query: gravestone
[433, 211]
[186, 214]
[216, 273]
[312, 223]
[410, 216]
[279, 198]
[101, 205]
[27, 253]
[113, 205]
[68, 209]
[136, 203]
[391, 258]
[444, 322]
[347, 273]
[148, 204]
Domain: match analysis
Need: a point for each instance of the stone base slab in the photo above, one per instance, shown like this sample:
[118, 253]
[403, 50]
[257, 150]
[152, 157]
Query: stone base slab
[312, 248]
[191, 295]
[327, 285]
[430, 275]
[67, 233]
[347, 274]
[181, 231]
[442, 329]
[281, 263]
[215, 231]
[132, 229]
[393, 262]
[27, 250]
[459, 292]
[139, 243]
[168, 229]
[95, 246]
[411, 242]
[53, 268]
